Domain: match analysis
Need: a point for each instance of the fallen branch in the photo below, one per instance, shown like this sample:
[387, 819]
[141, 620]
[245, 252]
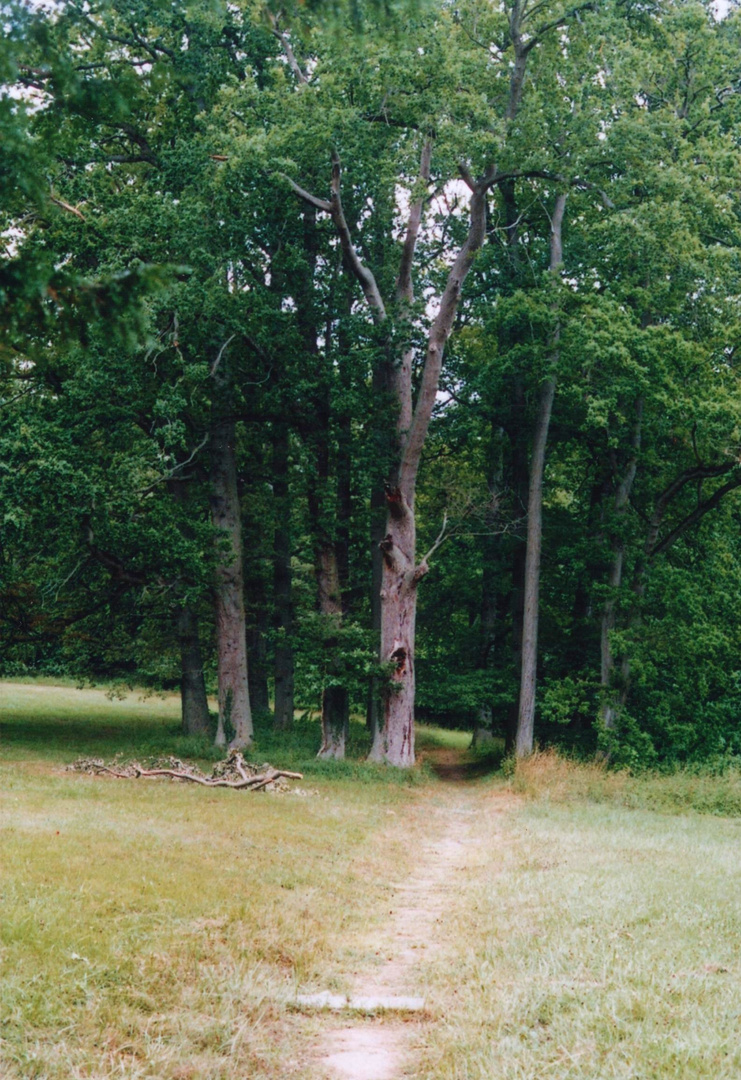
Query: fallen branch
[234, 772]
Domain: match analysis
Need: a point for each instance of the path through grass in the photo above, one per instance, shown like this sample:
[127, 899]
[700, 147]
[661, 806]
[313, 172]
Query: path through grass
[596, 943]
[152, 930]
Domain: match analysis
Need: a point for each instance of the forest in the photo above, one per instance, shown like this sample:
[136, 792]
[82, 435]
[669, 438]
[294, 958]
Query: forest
[381, 361]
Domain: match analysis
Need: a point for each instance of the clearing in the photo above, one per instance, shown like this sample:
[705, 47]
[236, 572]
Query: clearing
[156, 930]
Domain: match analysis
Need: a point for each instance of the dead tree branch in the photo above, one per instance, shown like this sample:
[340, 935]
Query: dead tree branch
[234, 772]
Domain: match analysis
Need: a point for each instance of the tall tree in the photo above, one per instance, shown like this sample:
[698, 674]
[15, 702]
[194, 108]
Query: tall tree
[526, 718]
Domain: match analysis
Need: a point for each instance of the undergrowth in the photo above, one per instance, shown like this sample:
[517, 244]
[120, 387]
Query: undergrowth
[548, 775]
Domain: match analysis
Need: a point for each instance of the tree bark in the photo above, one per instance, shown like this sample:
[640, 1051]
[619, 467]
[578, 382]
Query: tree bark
[258, 542]
[344, 487]
[335, 697]
[654, 546]
[531, 606]
[234, 699]
[516, 433]
[377, 533]
[394, 740]
[335, 723]
[612, 698]
[519, 479]
[384, 437]
[282, 583]
[528, 680]
[193, 700]
[490, 607]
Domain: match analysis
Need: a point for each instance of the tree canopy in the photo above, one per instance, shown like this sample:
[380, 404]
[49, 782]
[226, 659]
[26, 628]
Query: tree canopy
[378, 361]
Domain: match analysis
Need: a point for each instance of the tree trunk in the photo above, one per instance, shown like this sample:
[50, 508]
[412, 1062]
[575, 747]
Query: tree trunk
[611, 703]
[335, 697]
[516, 432]
[490, 608]
[613, 696]
[517, 607]
[377, 533]
[193, 700]
[383, 432]
[345, 454]
[335, 723]
[234, 699]
[528, 680]
[401, 574]
[581, 638]
[654, 546]
[282, 583]
[394, 741]
[194, 704]
[519, 476]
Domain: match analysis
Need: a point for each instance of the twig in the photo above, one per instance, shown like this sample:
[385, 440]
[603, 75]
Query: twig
[424, 566]
[441, 537]
[66, 206]
[249, 782]
[175, 469]
[222, 350]
[319, 204]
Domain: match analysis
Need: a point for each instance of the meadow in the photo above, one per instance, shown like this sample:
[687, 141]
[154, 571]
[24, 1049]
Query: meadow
[156, 930]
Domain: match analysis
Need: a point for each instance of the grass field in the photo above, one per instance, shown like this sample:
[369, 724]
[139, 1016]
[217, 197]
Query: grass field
[598, 943]
[152, 930]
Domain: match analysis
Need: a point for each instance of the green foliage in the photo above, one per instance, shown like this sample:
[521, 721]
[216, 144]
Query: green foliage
[350, 661]
[152, 234]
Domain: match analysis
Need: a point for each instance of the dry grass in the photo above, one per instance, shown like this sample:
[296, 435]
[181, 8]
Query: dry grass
[154, 930]
[548, 776]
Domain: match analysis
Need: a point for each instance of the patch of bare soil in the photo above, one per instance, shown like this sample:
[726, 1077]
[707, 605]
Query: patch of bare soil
[370, 1052]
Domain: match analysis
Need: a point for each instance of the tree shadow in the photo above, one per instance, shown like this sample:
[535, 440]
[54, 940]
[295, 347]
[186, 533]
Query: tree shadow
[461, 766]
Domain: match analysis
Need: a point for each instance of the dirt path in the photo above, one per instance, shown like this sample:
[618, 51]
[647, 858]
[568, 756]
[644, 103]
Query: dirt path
[378, 1048]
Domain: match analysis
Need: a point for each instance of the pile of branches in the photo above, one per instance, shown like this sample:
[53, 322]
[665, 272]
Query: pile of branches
[233, 772]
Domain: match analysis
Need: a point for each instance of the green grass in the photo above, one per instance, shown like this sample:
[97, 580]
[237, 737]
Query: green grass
[153, 931]
[430, 737]
[598, 943]
[58, 722]
[156, 930]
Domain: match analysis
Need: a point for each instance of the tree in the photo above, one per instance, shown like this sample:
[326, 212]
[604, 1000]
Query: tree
[372, 339]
